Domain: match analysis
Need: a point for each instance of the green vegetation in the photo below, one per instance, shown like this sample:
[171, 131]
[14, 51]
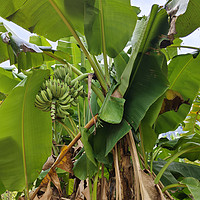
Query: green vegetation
[85, 120]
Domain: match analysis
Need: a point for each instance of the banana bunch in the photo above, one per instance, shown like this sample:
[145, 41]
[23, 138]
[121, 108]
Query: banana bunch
[59, 93]
[63, 73]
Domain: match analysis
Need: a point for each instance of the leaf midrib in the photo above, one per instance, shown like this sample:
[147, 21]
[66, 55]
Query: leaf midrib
[23, 140]
[179, 74]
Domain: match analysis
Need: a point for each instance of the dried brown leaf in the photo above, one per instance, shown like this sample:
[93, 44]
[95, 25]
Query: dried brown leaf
[86, 193]
[51, 159]
[172, 101]
[103, 189]
[79, 191]
[149, 188]
[47, 195]
[117, 94]
[55, 180]
[66, 163]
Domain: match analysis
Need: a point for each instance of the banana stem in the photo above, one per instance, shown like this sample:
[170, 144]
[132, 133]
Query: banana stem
[70, 132]
[94, 193]
[107, 76]
[79, 78]
[172, 186]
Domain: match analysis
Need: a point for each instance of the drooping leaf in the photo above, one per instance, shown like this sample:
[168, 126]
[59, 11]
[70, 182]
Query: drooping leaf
[175, 171]
[147, 85]
[87, 146]
[193, 185]
[106, 137]
[182, 75]
[113, 12]
[41, 18]
[112, 109]
[29, 129]
[148, 136]
[84, 168]
[185, 142]
[7, 81]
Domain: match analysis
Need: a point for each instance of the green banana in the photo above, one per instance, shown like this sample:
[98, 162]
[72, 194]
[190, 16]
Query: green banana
[72, 90]
[64, 96]
[64, 112]
[49, 94]
[47, 83]
[72, 99]
[39, 103]
[75, 94]
[58, 88]
[65, 107]
[62, 89]
[66, 100]
[40, 99]
[69, 71]
[68, 79]
[80, 88]
[76, 85]
[53, 88]
[73, 103]
[44, 95]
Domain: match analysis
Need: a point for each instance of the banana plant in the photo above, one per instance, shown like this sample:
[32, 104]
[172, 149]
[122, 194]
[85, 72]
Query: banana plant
[89, 108]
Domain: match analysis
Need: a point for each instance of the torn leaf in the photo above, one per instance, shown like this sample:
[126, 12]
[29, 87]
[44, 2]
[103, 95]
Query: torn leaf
[172, 101]
[66, 163]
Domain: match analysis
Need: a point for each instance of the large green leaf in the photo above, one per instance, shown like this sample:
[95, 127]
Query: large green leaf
[184, 78]
[120, 62]
[175, 171]
[69, 46]
[118, 20]
[193, 185]
[12, 5]
[28, 130]
[191, 142]
[106, 137]
[3, 50]
[146, 36]
[147, 85]
[84, 168]
[87, 146]
[112, 106]
[188, 11]
[7, 81]
[41, 18]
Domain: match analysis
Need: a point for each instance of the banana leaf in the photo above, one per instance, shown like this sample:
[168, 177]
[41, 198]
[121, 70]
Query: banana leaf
[188, 11]
[184, 78]
[25, 134]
